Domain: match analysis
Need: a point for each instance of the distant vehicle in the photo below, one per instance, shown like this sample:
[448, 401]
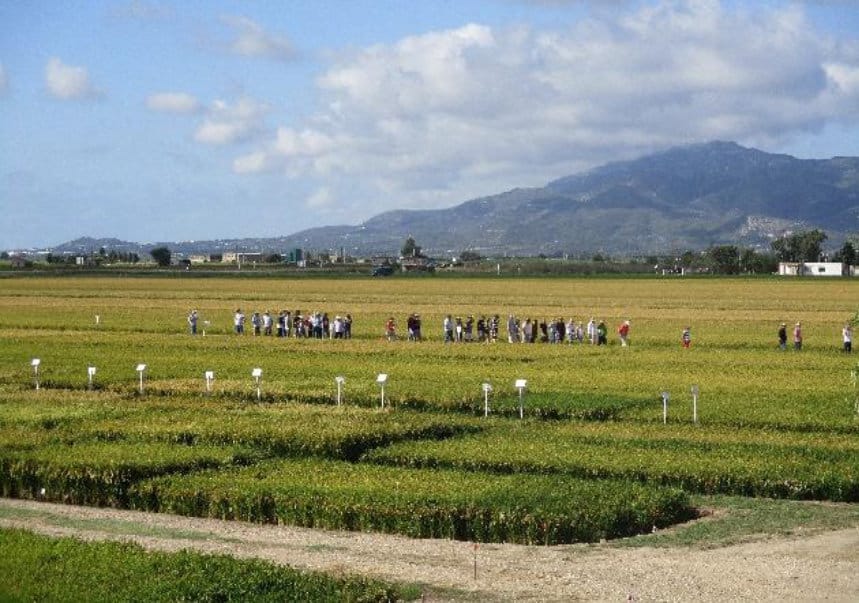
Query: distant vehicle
[384, 270]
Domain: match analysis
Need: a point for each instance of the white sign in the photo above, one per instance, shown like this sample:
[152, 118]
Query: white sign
[382, 378]
[141, 368]
[340, 380]
[90, 371]
[520, 383]
[487, 387]
[256, 373]
[35, 362]
[210, 375]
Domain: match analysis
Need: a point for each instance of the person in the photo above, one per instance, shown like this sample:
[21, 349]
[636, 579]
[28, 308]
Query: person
[416, 327]
[602, 333]
[281, 324]
[347, 327]
[493, 328]
[256, 322]
[192, 322]
[623, 332]
[239, 322]
[847, 336]
[797, 337]
[782, 337]
[266, 323]
[512, 330]
[391, 329]
[686, 337]
[592, 331]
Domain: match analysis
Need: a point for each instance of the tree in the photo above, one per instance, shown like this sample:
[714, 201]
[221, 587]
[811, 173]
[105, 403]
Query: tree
[803, 246]
[161, 255]
[725, 259]
[846, 254]
[410, 249]
[469, 256]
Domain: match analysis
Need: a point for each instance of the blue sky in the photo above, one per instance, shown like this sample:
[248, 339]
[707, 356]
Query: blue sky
[161, 121]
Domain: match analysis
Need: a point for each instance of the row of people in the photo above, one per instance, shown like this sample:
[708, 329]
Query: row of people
[316, 325]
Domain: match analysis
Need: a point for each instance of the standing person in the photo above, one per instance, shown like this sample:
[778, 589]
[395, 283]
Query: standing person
[493, 328]
[447, 327]
[686, 337]
[571, 331]
[512, 332]
[192, 322]
[256, 322]
[782, 336]
[592, 331]
[391, 329]
[266, 323]
[602, 333]
[239, 322]
[281, 324]
[458, 329]
[847, 336]
[623, 332]
[797, 337]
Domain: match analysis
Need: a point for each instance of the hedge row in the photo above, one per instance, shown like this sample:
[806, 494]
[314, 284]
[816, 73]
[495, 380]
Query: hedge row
[38, 568]
[102, 473]
[752, 463]
[418, 503]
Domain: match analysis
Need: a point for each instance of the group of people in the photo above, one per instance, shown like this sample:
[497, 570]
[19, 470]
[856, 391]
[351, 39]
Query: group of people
[316, 325]
[319, 325]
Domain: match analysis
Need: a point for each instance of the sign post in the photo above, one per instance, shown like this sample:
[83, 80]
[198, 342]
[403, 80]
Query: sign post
[35, 362]
[695, 403]
[141, 368]
[90, 373]
[381, 380]
[257, 375]
[487, 389]
[210, 377]
[665, 396]
[339, 380]
[521, 384]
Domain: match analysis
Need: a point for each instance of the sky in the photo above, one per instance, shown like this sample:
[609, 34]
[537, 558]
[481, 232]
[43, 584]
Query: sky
[172, 121]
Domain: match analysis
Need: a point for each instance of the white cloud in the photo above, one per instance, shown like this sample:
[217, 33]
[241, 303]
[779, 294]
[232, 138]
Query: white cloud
[436, 118]
[68, 82]
[227, 123]
[251, 40]
[320, 199]
[173, 102]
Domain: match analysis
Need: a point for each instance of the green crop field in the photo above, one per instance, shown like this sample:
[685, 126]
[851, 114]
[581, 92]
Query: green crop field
[591, 459]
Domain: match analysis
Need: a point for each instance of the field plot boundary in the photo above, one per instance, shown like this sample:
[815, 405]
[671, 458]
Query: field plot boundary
[789, 568]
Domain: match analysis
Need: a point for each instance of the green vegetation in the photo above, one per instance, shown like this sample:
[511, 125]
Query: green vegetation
[591, 460]
[38, 568]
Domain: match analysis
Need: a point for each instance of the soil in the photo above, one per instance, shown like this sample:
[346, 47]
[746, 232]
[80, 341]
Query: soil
[818, 566]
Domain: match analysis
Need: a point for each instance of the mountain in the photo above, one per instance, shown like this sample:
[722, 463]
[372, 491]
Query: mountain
[688, 197]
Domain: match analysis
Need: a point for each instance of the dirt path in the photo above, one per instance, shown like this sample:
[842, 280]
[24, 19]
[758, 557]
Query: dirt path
[821, 566]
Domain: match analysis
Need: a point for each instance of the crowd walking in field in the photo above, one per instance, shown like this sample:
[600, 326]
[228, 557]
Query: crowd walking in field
[471, 329]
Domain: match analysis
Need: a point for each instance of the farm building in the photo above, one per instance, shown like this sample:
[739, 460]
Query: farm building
[813, 269]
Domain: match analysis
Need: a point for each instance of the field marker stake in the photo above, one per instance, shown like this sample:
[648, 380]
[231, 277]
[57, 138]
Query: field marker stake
[209, 376]
[141, 368]
[665, 396]
[339, 380]
[35, 362]
[521, 384]
[695, 403]
[90, 373]
[257, 375]
[381, 380]
[487, 387]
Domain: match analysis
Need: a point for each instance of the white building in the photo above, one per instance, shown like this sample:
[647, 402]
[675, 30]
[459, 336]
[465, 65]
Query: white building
[812, 269]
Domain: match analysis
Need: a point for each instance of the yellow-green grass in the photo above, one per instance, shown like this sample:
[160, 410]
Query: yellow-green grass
[743, 378]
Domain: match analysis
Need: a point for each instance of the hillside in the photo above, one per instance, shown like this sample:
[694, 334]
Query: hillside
[685, 198]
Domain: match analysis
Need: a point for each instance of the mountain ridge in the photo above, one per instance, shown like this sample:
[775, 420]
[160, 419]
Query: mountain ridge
[687, 197]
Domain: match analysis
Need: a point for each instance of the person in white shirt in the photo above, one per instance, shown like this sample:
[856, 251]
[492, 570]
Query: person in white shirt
[239, 322]
[847, 336]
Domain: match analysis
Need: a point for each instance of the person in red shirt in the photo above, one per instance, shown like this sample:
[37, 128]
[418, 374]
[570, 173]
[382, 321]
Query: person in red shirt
[623, 332]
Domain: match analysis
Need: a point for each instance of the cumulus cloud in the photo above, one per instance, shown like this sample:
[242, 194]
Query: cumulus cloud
[439, 117]
[251, 40]
[173, 102]
[68, 82]
[227, 123]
